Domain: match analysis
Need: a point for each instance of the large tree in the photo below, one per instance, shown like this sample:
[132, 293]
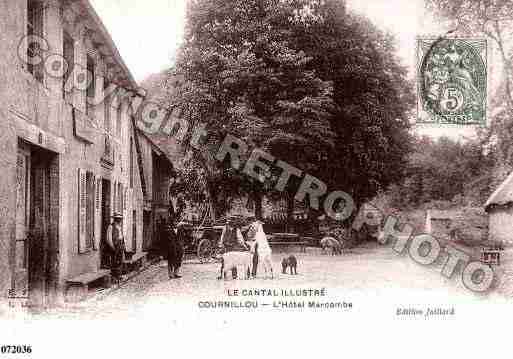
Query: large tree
[374, 99]
[244, 78]
[315, 86]
[493, 20]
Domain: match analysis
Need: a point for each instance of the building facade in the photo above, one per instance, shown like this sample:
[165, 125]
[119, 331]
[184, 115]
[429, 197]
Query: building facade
[157, 173]
[68, 151]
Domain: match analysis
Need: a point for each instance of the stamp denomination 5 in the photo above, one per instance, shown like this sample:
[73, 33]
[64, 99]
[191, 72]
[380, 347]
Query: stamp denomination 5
[452, 80]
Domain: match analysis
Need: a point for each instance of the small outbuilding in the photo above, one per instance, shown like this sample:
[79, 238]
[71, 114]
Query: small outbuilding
[440, 222]
[500, 213]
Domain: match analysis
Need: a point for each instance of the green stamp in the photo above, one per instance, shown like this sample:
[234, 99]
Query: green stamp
[451, 81]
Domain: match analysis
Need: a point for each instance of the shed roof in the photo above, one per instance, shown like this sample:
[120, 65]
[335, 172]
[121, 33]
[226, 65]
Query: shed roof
[503, 194]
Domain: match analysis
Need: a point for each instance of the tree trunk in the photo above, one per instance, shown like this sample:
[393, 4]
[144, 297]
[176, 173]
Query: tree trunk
[212, 201]
[507, 65]
[257, 198]
[290, 213]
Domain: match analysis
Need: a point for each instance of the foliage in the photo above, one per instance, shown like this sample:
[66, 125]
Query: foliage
[492, 19]
[444, 170]
[243, 78]
[373, 98]
[314, 86]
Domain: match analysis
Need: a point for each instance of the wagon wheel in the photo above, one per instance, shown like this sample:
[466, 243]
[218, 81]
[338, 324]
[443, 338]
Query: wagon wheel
[205, 250]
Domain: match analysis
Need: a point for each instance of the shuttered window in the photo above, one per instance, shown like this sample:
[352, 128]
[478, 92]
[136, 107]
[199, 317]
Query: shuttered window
[68, 49]
[115, 196]
[35, 16]
[131, 167]
[98, 213]
[107, 107]
[86, 211]
[118, 118]
[120, 198]
[91, 89]
[134, 231]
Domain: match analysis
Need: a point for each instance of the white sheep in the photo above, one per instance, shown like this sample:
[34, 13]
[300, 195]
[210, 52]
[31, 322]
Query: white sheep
[241, 261]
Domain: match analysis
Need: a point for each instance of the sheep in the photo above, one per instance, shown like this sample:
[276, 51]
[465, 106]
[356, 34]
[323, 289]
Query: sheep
[330, 242]
[241, 261]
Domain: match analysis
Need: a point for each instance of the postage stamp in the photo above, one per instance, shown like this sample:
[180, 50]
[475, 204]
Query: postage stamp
[452, 81]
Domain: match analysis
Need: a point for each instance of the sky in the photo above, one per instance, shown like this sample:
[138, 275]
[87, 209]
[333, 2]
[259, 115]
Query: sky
[148, 32]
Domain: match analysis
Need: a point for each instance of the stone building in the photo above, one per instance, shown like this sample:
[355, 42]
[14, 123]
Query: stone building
[439, 222]
[156, 173]
[68, 152]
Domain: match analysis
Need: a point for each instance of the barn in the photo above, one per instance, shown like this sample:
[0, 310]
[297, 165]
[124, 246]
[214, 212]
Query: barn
[500, 213]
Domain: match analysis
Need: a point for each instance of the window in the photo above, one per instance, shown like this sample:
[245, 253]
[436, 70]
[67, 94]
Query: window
[131, 168]
[90, 209]
[107, 107]
[68, 51]
[120, 198]
[35, 12]
[134, 231]
[91, 89]
[86, 210]
[114, 189]
[118, 118]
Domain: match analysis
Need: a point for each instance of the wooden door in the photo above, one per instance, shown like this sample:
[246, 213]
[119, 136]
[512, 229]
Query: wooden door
[106, 220]
[20, 280]
[38, 248]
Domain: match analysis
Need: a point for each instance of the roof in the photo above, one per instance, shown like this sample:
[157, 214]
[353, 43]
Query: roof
[156, 147]
[503, 194]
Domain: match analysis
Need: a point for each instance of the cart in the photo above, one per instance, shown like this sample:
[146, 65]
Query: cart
[202, 242]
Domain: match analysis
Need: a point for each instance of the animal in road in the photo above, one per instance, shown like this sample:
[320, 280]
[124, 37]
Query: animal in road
[289, 262]
[240, 261]
[331, 243]
[263, 251]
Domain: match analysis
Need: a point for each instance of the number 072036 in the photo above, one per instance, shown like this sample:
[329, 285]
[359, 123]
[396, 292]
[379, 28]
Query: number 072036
[16, 349]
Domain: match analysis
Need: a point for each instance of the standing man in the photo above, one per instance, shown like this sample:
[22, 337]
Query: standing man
[116, 242]
[174, 251]
[231, 238]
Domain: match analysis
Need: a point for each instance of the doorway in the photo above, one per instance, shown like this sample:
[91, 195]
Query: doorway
[105, 254]
[147, 230]
[36, 248]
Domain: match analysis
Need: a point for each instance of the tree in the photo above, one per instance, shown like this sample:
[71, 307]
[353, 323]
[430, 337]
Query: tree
[243, 78]
[444, 170]
[492, 19]
[281, 76]
[373, 98]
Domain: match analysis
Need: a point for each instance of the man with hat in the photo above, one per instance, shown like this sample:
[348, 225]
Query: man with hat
[116, 242]
[231, 237]
[174, 239]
